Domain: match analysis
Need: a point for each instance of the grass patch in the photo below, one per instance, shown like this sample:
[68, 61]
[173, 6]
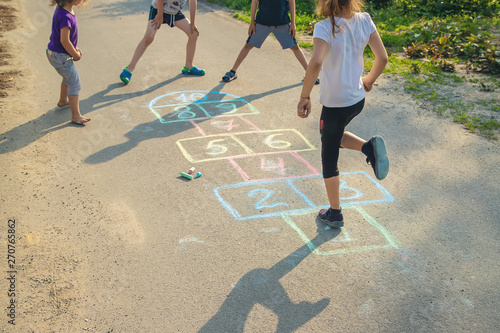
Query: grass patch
[426, 42]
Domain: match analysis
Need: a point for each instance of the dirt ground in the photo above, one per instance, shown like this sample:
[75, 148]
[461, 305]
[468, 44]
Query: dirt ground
[57, 298]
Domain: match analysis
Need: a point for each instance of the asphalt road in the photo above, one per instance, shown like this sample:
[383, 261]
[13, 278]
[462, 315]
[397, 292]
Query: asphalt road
[112, 239]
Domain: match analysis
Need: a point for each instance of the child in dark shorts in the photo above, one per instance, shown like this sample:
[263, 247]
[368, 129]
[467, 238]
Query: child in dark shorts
[272, 17]
[173, 16]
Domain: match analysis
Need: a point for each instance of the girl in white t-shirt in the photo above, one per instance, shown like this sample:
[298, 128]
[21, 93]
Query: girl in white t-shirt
[339, 42]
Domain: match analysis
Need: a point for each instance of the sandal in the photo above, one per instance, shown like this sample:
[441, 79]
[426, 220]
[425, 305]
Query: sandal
[193, 71]
[126, 76]
[230, 76]
[315, 83]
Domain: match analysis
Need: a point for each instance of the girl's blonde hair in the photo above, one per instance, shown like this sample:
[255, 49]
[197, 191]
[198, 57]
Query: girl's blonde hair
[62, 3]
[331, 8]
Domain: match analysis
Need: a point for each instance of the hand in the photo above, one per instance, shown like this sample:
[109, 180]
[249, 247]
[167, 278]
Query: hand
[293, 30]
[157, 21]
[367, 84]
[251, 29]
[304, 108]
[194, 29]
[79, 55]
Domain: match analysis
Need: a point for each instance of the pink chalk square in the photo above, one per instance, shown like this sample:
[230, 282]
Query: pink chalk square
[224, 125]
[272, 166]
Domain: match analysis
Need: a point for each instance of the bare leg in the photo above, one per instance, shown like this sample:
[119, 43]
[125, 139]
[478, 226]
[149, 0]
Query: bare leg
[351, 141]
[299, 55]
[148, 38]
[63, 98]
[243, 54]
[185, 26]
[76, 116]
[332, 185]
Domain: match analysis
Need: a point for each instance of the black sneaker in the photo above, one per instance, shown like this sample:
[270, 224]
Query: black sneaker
[377, 157]
[330, 218]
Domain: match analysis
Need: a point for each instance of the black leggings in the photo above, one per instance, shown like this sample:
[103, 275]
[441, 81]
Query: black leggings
[331, 127]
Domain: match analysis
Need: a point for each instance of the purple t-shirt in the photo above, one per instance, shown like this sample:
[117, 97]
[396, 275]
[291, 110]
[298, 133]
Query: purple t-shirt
[62, 18]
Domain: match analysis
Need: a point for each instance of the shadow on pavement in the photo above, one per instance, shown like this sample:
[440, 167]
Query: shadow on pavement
[121, 8]
[262, 286]
[156, 129]
[58, 118]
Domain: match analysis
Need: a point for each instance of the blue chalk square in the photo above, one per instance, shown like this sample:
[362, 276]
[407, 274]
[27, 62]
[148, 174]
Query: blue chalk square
[260, 199]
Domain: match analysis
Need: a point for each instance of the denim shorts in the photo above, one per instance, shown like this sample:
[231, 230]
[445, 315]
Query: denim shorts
[281, 32]
[64, 65]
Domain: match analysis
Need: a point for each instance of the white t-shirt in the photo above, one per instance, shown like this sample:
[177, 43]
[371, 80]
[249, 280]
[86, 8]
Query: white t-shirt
[341, 83]
[170, 6]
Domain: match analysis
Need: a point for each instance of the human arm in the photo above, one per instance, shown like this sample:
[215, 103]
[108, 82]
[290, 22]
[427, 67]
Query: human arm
[193, 4]
[158, 20]
[68, 46]
[253, 11]
[380, 53]
[312, 72]
[293, 30]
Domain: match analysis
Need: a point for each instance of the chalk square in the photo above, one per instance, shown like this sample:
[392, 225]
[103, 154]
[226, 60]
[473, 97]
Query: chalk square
[274, 141]
[212, 147]
[223, 125]
[260, 199]
[272, 166]
[356, 188]
[361, 232]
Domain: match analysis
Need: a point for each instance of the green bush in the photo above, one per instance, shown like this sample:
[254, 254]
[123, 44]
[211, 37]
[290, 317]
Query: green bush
[378, 4]
[444, 8]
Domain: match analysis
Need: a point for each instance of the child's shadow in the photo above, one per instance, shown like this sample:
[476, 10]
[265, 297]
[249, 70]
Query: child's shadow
[58, 118]
[262, 286]
[157, 129]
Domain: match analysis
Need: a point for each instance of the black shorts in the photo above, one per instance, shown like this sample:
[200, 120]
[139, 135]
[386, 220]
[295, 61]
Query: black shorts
[332, 125]
[167, 18]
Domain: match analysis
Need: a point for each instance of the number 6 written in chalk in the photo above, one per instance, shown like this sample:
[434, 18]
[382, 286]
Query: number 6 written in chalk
[277, 144]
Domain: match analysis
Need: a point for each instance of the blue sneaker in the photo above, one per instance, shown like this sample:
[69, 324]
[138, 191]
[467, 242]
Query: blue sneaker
[193, 71]
[331, 218]
[126, 76]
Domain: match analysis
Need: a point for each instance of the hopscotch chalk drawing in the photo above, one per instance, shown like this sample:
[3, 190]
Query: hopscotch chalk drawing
[196, 104]
[277, 180]
[224, 146]
[374, 236]
[277, 197]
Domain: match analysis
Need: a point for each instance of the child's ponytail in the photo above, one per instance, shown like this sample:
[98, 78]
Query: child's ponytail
[331, 8]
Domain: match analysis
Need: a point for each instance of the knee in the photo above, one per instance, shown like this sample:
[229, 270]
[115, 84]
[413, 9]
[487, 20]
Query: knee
[248, 47]
[148, 39]
[295, 48]
[74, 89]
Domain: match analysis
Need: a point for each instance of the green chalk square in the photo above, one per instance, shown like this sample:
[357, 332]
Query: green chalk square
[350, 234]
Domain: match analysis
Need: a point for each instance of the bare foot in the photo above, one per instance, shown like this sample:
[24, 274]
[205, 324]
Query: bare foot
[80, 121]
[62, 104]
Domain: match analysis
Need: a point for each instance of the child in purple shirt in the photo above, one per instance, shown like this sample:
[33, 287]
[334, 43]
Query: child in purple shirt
[63, 51]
